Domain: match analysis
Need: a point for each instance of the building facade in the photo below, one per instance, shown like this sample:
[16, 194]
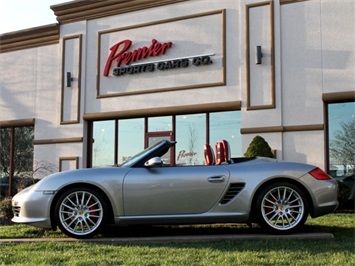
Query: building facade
[113, 77]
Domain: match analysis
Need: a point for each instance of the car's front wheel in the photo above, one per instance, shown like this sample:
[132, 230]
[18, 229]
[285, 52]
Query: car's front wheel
[80, 212]
[282, 208]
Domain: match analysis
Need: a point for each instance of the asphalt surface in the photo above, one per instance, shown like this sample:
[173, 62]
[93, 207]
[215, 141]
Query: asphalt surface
[174, 239]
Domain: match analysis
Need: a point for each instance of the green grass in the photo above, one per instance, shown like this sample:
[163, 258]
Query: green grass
[337, 251]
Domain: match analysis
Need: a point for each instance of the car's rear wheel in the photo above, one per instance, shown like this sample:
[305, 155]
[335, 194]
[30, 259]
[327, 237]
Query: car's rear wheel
[282, 208]
[80, 212]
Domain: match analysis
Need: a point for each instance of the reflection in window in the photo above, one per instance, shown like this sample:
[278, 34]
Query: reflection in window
[226, 125]
[190, 136]
[5, 139]
[161, 123]
[130, 138]
[23, 155]
[104, 143]
[341, 132]
[22, 160]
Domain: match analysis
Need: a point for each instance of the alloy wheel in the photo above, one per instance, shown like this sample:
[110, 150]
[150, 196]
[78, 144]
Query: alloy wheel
[282, 208]
[80, 213]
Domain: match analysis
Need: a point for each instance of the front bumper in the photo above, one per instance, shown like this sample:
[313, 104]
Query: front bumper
[32, 207]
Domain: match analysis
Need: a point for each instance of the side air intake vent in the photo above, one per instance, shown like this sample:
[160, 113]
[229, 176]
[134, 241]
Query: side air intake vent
[232, 192]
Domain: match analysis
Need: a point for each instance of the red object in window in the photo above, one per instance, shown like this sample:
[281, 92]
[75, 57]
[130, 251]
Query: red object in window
[319, 174]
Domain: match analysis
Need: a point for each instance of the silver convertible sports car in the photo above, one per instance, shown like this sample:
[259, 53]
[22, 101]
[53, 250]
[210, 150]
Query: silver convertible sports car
[277, 195]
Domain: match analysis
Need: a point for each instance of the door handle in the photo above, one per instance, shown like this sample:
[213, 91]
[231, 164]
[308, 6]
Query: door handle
[216, 179]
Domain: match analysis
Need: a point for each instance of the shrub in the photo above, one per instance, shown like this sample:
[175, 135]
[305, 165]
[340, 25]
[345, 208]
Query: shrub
[5, 208]
[20, 183]
[259, 147]
[344, 194]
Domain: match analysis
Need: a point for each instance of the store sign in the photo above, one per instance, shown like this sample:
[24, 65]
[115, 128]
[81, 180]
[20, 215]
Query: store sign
[122, 58]
[180, 53]
[183, 154]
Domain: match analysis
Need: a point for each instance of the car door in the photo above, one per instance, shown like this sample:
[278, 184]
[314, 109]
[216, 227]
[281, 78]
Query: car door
[173, 190]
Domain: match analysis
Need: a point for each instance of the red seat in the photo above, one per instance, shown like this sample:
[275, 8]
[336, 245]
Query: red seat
[220, 153]
[209, 155]
[227, 150]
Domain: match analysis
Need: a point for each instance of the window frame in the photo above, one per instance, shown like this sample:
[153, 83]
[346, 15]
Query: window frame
[146, 132]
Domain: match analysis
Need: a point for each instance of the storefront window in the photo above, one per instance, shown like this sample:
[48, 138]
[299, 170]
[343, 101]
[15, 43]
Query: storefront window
[23, 155]
[341, 136]
[226, 125]
[103, 147]
[190, 136]
[161, 123]
[116, 141]
[130, 138]
[16, 155]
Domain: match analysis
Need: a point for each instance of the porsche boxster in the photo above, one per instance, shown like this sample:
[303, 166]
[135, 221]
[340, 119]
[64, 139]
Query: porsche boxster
[277, 195]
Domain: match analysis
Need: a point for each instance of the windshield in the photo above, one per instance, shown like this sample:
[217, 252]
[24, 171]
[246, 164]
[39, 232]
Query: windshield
[138, 156]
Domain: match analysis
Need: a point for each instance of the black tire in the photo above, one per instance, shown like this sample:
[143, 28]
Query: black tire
[80, 212]
[281, 208]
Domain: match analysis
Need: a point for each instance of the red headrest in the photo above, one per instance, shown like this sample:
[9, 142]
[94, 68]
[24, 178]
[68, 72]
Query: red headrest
[209, 155]
[227, 150]
[220, 154]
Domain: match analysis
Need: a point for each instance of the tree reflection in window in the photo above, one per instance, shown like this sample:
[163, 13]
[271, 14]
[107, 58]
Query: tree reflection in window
[16, 155]
[341, 121]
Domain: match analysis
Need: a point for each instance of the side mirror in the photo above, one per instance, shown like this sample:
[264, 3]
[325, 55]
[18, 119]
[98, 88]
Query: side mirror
[155, 161]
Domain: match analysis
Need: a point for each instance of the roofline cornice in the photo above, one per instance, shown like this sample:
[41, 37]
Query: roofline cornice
[79, 10]
[29, 38]
[69, 12]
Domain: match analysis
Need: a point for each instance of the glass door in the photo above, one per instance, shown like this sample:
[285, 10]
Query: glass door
[154, 137]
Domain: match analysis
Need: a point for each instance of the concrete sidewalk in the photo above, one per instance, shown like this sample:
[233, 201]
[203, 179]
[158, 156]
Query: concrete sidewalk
[174, 239]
